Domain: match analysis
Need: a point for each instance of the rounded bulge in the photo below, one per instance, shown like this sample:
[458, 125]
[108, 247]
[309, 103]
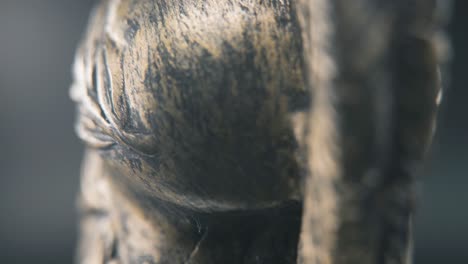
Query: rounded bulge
[190, 102]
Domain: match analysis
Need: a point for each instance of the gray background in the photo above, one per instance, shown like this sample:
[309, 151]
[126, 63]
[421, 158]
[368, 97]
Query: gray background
[40, 155]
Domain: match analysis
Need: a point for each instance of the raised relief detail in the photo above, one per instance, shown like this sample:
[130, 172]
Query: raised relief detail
[253, 131]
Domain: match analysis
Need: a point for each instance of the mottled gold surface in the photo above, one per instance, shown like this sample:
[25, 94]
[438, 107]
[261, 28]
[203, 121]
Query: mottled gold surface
[253, 131]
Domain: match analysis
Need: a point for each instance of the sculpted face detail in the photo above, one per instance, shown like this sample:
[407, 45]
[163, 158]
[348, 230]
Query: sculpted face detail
[254, 131]
[190, 101]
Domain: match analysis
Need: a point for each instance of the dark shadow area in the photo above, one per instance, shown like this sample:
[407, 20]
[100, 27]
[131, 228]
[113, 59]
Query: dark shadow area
[441, 228]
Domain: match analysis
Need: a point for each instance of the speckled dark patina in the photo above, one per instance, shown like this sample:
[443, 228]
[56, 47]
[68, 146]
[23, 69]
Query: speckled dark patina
[253, 131]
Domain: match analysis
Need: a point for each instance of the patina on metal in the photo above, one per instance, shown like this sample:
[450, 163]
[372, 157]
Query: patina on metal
[252, 131]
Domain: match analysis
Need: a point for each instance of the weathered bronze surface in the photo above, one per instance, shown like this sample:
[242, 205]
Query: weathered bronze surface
[252, 131]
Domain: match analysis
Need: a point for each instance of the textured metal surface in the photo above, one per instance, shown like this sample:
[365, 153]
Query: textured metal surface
[373, 71]
[208, 123]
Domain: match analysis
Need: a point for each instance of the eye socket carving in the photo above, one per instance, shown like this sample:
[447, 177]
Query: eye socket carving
[106, 109]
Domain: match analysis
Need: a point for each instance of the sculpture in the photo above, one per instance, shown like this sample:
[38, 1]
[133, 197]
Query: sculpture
[253, 131]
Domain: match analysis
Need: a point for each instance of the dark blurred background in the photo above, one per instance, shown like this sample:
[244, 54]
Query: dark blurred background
[40, 155]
